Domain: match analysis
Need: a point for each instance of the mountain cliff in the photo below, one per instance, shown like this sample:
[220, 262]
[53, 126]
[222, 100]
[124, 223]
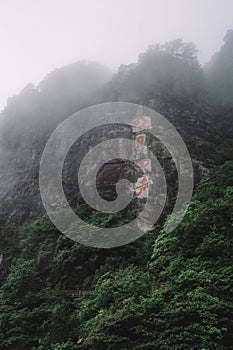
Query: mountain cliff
[163, 291]
[168, 79]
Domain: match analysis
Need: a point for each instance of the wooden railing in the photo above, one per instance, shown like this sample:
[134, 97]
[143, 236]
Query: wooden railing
[76, 293]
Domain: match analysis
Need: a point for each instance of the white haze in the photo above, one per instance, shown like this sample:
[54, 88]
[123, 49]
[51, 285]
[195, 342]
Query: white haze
[38, 36]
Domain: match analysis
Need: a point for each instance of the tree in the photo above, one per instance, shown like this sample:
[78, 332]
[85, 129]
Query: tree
[219, 73]
[169, 72]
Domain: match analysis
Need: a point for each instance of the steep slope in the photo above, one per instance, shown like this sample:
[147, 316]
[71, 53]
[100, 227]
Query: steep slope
[173, 292]
[29, 118]
[26, 124]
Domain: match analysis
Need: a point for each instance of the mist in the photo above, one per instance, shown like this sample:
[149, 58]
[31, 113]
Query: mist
[37, 37]
[116, 174]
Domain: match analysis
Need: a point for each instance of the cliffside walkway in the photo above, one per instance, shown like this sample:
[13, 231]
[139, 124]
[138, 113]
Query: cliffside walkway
[73, 293]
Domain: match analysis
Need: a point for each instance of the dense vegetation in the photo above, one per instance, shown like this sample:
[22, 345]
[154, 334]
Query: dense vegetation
[164, 291]
[38, 109]
[170, 72]
[170, 292]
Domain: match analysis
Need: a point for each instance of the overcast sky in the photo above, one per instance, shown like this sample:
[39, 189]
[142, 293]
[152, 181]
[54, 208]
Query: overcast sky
[37, 36]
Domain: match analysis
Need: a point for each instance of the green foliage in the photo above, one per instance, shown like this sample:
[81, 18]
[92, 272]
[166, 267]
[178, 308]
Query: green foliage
[111, 311]
[172, 292]
[164, 291]
[186, 298]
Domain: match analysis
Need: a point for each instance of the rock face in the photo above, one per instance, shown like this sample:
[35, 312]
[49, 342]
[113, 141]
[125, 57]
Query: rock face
[28, 121]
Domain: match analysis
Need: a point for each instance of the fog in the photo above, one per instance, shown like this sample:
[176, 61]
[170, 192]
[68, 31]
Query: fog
[39, 36]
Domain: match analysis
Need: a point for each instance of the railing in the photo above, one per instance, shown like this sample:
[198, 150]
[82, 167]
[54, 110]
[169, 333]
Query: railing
[76, 293]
